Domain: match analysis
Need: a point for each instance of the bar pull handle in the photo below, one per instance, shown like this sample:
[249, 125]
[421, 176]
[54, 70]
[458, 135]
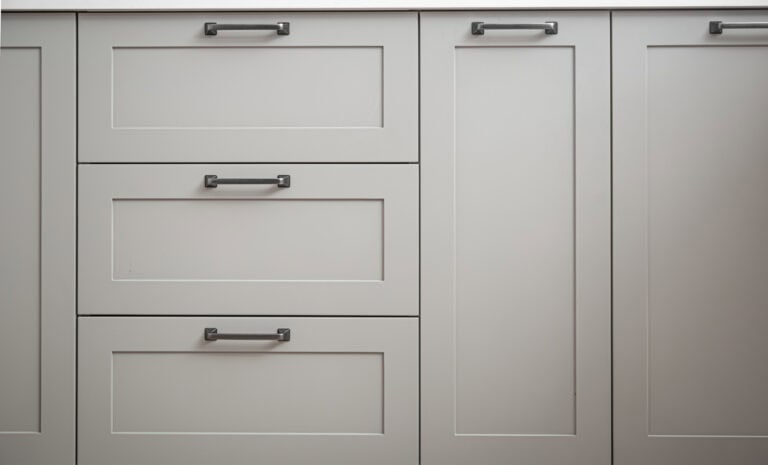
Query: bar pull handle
[549, 27]
[282, 335]
[282, 28]
[716, 27]
[282, 180]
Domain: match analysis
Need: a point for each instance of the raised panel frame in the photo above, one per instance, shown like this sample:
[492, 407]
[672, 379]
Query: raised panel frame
[54, 35]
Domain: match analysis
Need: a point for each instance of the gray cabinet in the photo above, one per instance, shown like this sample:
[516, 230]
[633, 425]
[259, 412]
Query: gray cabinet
[515, 239]
[690, 243]
[341, 391]
[37, 250]
[341, 240]
[551, 304]
[340, 87]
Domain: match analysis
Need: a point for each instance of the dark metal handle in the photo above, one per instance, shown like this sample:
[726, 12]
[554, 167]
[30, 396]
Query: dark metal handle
[549, 27]
[716, 27]
[282, 180]
[282, 28]
[282, 335]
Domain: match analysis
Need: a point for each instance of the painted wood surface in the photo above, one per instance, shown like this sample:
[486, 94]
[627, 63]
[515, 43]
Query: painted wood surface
[690, 249]
[515, 240]
[37, 253]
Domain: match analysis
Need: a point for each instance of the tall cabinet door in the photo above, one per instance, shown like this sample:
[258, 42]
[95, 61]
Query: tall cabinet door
[37, 250]
[516, 238]
[691, 238]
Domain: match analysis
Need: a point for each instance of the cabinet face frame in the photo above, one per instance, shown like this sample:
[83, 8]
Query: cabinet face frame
[119, 50]
[640, 246]
[442, 35]
[53, 36]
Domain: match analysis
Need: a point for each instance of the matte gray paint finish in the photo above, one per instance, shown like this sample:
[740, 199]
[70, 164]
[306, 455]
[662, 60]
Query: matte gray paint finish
[342, 87]
[164, 88]
[691, 254]
[516, 228]
[247, 239]
[341, 391]
[535, 187]
[342, 240]
[37, 253]
[323, 389]
[20, 247]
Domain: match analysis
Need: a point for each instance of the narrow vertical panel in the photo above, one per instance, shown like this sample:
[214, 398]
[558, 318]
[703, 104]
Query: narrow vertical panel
[37, 265]
[20, 246]
[515, 240]
[708, 247]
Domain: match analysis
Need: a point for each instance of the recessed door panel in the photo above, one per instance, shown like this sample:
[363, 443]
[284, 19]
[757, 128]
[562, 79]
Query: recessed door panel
[20, 248]
[514, 240]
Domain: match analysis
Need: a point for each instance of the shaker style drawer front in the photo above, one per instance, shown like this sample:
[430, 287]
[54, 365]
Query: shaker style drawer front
[321, 240]
[309, 87]
[338, 391]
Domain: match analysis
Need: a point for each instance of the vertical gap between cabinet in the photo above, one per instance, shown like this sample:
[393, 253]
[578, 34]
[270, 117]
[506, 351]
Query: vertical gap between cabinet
[77, 222]
[418, 68]
[610, 63]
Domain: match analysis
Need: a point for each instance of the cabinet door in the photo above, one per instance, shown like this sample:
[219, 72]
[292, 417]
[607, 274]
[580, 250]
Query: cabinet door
[516, 240]
[690, 244]
[340, 391]
[37, 250]
[339, 87]
[340, 240]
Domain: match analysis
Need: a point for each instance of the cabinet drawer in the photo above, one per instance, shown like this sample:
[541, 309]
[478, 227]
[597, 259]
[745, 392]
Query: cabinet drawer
[340, 87]
[340, 391]
[341, 240]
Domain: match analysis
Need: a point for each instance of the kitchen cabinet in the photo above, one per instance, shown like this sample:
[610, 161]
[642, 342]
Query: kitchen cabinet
[337, 391]
[37, 250]
[336, 240]
[313, 232]
[333, 87]
[515, 202]
[690, 243]
[384, 237]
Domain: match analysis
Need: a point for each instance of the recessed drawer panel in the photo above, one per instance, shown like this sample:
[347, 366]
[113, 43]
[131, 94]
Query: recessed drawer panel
[327, 240]
[334, 391]
[328, 87]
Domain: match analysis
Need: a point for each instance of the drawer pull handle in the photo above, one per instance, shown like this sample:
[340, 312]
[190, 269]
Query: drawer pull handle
[282, 28]
[282, 335]
[716, 27]
[282, 180]
[549, 27]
